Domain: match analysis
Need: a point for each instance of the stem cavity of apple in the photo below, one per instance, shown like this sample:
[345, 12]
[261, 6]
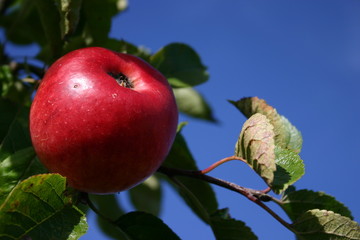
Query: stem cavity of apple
[121, 79]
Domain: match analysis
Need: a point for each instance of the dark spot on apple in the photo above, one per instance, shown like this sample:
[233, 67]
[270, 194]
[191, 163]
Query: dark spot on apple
[76, 85]
[121, 79]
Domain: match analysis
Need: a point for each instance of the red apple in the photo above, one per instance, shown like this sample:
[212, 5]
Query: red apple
[105, 120]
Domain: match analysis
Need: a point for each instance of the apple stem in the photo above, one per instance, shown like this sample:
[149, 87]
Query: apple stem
[121, 79]
[256, 196]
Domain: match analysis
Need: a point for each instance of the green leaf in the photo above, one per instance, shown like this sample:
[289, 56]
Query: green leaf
[18, 136]
[22, 24]
[292, 138]
[41, 207]
[75, 43]
[129, 48]
[8, 111]
[12, 88]
[69, 16]
[17, 167]
[192, 103]
[6, 80]
[286, 135]
[199, 195]
[227, 228]
[180, 64]
[98, 16]
[325, 225]
[147, 196]
[180, 126]
[296, 203]
[289, 169]
[4, 5]
[144, 226]
[256, 146]
[50, 18]
[109, 206]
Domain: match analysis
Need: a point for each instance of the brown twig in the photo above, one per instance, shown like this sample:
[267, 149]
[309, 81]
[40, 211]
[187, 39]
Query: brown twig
[256, 196]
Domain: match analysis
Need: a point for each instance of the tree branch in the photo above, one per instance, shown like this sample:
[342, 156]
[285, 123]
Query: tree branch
[255, 196]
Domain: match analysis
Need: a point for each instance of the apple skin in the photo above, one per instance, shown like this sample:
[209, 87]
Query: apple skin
[102, 136]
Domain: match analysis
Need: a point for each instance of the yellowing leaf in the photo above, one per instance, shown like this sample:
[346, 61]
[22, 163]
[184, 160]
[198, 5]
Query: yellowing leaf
[296, 203]
[325, 225]
[286, 135]
[256, 145]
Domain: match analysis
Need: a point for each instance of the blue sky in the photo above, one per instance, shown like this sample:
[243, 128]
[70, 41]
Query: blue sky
[302, 57]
